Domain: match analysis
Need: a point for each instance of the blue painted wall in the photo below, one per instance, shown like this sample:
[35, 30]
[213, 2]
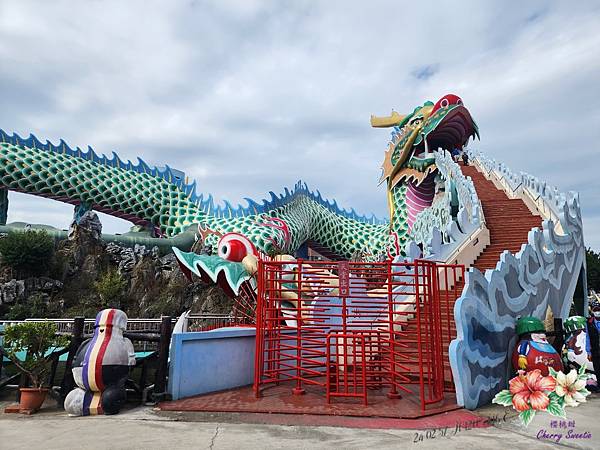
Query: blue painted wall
[209, 361]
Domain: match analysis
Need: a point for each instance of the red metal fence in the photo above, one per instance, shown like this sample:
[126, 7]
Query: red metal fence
[349, 328]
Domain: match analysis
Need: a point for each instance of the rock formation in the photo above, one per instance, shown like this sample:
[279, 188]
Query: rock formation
[152, 284]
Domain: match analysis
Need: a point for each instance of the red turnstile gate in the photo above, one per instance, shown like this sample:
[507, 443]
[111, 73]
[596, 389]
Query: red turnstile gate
[350, 328]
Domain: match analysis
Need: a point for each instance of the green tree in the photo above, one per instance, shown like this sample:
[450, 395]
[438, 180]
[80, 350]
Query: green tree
[110, 288]
[592, 260]
[28, 252]
[36, 339]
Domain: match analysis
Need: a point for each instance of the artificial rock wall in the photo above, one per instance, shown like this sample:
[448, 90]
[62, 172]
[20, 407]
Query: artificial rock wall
[542, 274]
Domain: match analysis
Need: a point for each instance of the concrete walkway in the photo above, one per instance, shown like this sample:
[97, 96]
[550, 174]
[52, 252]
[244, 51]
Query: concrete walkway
[145, 428]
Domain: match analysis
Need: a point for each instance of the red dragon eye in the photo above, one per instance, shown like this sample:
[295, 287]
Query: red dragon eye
[235, 246]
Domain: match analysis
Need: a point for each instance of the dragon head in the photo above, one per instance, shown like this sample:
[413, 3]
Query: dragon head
[446, 124]
[234, 264]
[236, 259]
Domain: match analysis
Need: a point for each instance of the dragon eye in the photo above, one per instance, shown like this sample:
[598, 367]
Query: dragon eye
[444, 103]
[232, 251]
[234, 247]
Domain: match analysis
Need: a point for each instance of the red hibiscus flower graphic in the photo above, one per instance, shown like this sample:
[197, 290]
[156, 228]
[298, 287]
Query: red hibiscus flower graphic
[529, 390]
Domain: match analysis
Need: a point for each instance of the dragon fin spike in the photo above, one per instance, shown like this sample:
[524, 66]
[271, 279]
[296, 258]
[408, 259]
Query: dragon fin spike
[145, 167]
[227, 208]
[37, 143]
[165, 173]
[192, 189]
[29, 142]
[93, 155]
[253, 207]
[52, 147]
[211, 203]
[113, 161]
[18, 139]
[66, 149]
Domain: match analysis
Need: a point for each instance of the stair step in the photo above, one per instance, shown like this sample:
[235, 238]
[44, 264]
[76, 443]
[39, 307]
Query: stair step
[503, 246]
[508, 220]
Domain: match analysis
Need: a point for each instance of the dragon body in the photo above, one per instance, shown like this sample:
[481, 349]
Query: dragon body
[162, 200]
[151, 197]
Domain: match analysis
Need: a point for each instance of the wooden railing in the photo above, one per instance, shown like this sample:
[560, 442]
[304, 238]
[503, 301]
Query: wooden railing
[153, 334]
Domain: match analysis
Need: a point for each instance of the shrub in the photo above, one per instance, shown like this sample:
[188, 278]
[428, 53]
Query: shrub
[34, 306]
[27, 252]
[110, 288]
[36, 339]
[593, 269]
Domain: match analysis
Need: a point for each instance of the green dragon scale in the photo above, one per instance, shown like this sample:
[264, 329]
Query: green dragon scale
[160, 199]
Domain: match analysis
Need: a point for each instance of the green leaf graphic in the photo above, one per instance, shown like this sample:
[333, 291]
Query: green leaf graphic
[556, 399]
[584, 377]
[527, 416]
[584, 392]
[552, 372]
[503, 398]
[556, 409]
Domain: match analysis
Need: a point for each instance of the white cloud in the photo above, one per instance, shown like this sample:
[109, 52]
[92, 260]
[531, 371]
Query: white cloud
[248, 97]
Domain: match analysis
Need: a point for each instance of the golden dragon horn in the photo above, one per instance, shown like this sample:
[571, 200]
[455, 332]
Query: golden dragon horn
[386, 121]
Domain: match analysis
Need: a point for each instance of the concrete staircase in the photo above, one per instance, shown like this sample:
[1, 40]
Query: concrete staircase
[509, 220]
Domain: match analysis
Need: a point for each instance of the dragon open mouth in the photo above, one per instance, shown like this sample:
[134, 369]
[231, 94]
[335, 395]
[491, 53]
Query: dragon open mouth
[229, 275]
[445, 125]
[448, 130]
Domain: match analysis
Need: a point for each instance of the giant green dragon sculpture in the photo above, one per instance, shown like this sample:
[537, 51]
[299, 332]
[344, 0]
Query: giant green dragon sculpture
[162, 200]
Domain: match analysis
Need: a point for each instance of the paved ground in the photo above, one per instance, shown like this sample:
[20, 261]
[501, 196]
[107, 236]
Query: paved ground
[279, 399]
[146, 428]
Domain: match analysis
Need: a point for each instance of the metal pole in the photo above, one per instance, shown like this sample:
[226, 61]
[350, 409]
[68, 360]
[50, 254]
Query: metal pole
[393, 393]
[160, 381]
[299, 390]
[419, 344]
[258, 365]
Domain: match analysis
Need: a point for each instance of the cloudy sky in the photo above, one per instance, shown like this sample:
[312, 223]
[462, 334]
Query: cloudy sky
[250, 96]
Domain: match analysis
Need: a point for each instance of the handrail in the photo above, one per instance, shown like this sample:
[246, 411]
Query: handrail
[545, 198]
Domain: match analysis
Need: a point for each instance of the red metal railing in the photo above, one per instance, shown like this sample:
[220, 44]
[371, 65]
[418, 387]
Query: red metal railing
[244, 304]
[393, 321]
[346, 366]
[451, 283]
